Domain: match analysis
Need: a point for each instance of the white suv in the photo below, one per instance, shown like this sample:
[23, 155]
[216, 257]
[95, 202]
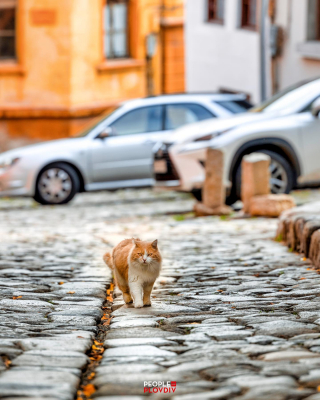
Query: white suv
[287, 127]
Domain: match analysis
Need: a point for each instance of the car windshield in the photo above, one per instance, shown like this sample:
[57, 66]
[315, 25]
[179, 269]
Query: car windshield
[95, 122]
[235, 106]
[298, 94]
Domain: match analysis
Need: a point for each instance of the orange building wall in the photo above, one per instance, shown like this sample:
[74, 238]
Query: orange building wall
[61, 71]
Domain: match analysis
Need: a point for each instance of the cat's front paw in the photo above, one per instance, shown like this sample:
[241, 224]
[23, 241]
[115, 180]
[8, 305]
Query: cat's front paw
[147, 303]
[138, 304]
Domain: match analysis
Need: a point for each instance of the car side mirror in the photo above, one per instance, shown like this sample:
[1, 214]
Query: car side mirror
[315, 108]
[107, 132]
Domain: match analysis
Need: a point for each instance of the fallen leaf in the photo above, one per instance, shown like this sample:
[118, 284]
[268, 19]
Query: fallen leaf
[304, 259]
[318, 388]
[111, 286]
[80, 337]
[61, 283]
[95, 357]
[301, 279]
[110, 298]
[71, 292]
[104, 317]
[92, 375]
[16, 297]
[107, 322]
[7, 363]
[88, 390]
[108, 291]
[98, 343]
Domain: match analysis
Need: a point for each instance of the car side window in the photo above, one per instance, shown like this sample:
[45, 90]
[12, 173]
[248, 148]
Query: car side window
[141, 120]
[182, 114]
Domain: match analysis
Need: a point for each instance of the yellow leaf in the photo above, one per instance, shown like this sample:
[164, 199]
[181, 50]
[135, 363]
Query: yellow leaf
[61, 283]
[16, 297]
[7, 363]
[109, 298]
[71, 292]
[91, 376]
[88, 390]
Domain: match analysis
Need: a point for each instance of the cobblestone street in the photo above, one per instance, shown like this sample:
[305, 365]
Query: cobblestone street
[235, 315]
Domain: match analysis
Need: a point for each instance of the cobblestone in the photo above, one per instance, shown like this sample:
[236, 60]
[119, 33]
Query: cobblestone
[235, 315]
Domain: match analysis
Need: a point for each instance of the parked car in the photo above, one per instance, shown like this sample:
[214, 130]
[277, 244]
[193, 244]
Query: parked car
[116, 152]
[287, 127]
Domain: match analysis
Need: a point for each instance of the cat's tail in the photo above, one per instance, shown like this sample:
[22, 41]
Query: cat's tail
[107, 258]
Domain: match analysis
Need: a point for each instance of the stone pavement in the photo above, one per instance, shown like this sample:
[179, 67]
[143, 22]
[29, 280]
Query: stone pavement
[235, 315]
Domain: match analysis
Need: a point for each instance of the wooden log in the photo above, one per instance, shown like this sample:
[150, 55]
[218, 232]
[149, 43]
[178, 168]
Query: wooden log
[270, 205]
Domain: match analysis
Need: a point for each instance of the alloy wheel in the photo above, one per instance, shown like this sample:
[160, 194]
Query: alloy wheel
[55, 185]
[279, 178]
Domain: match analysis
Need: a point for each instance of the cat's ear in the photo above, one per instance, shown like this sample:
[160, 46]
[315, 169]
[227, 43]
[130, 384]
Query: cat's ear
[135, 241]
[154, 244]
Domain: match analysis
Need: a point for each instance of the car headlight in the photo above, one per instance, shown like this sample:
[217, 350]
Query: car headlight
[8, 162]
[203, 138]
[212, 135]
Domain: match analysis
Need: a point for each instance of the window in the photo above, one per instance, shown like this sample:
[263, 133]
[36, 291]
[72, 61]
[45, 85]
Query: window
[249, 14]
[142, 120]
[7, 29]
[182, 114]
[216, 11]
[313, 20]
[116, 29]
[235, 106]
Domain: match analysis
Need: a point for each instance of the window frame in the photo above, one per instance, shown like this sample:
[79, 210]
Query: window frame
[13, 33]
[166, 105]
[111, 31]
[245, 16]
[138, 109]
[212, 7]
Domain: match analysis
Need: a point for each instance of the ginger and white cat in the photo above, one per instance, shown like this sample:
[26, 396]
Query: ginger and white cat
[136, 265]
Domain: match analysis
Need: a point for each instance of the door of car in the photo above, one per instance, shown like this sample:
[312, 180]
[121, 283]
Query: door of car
[127, 153]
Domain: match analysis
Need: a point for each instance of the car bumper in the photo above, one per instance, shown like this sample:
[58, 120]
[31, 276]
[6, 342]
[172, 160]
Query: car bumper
[15, 181]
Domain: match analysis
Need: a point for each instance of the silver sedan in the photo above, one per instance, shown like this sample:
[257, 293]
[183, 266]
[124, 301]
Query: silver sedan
[116, 152]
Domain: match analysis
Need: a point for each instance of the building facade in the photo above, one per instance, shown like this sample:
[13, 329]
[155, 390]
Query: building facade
[62, 61]
[223, 44]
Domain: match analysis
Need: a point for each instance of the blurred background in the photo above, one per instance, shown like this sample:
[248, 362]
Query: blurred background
[63, 62]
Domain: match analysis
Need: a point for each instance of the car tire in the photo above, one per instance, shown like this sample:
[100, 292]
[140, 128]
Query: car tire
[280, 170]
[56, 184]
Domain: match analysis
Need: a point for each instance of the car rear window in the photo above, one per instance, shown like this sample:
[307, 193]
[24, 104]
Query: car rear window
[235, 106]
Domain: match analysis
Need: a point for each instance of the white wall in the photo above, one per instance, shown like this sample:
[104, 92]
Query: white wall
[220, 56]
[292, 15]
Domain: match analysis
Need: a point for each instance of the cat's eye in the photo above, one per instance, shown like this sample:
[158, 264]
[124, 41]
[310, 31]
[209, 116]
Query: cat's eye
[140, 254]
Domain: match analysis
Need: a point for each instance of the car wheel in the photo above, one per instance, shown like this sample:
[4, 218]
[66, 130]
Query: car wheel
[56, 184]
[281, 181]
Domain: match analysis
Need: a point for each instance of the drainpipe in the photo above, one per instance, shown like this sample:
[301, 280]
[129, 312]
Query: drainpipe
[265, 61]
